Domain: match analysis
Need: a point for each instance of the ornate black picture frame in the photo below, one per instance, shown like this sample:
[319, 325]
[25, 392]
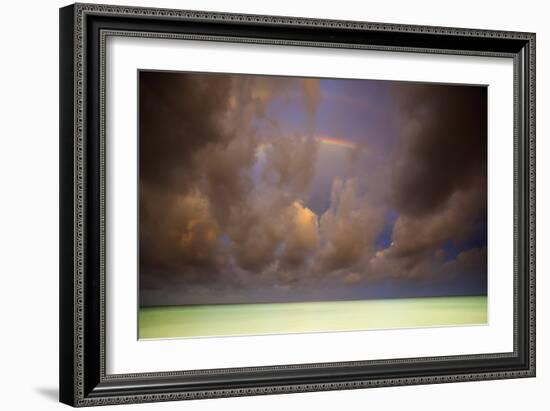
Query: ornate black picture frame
[83, 31]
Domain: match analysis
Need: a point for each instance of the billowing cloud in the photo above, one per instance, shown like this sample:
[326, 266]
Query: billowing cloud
[348, 227]
[199, 210]
[442, 148]
[439, 184]
[179, 114]
[415, 238]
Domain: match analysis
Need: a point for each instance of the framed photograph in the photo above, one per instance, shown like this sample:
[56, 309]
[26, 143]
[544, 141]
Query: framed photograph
[260, 204]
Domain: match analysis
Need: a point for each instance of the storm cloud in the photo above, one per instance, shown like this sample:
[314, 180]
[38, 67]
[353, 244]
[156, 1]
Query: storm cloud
[442, 147]
[439, 181]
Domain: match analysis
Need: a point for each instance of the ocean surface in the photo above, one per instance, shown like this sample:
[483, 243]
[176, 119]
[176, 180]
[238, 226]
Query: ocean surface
[284, 318]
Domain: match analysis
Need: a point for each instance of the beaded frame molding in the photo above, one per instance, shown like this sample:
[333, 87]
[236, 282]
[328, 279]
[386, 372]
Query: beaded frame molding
[83, 32]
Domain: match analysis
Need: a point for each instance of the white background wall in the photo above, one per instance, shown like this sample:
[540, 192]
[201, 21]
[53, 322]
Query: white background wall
[29, 204]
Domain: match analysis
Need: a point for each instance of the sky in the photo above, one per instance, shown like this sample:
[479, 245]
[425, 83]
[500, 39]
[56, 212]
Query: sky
[274, 189]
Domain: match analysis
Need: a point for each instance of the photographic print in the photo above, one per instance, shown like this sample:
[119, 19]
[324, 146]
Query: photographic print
[274, 204]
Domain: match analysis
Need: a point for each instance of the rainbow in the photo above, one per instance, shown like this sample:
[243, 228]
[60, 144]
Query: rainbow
[331, 141]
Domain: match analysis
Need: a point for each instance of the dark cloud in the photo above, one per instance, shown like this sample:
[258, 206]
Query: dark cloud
[443, 145]
[190, 159]
[416, 237]
[179, 114]
[439, 178]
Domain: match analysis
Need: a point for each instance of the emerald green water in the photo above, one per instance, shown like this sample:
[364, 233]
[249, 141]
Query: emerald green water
[247, 319]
